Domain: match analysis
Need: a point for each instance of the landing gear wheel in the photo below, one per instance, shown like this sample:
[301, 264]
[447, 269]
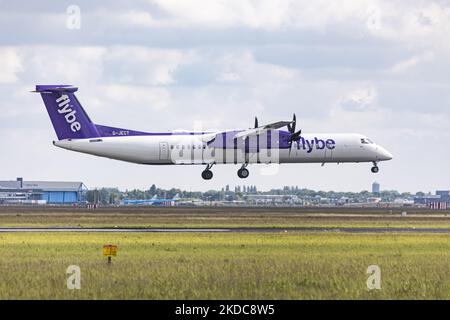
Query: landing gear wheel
[243, 173]
[375, 169]
[207, 174]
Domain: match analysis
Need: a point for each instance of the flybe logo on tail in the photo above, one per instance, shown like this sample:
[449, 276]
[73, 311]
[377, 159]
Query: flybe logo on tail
[69, 114]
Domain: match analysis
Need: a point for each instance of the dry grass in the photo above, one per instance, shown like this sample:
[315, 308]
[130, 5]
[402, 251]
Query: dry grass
[225, 266]
[218, 217]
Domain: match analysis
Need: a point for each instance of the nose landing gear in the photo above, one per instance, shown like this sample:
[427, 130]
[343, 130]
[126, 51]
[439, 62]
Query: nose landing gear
[375, 168]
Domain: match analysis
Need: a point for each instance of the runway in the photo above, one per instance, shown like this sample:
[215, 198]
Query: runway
[227, 230]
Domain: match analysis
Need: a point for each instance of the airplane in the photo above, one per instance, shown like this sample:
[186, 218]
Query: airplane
[266, 144]
[153, 201]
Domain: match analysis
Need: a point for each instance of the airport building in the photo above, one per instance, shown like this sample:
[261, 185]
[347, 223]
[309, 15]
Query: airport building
[41, 192]
[441, 200]
[375, 188]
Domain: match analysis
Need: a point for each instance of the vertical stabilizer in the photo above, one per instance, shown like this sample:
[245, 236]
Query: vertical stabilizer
[68, 117]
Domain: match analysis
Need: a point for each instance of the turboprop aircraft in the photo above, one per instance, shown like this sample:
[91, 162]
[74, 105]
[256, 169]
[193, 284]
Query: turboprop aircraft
[269, 143]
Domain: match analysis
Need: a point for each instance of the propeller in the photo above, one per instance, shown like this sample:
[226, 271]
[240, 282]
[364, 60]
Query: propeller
[291, 126]
[256, 126]
[294, 135]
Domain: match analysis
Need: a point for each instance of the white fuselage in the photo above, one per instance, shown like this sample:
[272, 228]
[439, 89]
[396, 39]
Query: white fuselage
[175, 148]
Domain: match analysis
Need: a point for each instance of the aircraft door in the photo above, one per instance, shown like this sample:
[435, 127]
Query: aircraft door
[163, 151]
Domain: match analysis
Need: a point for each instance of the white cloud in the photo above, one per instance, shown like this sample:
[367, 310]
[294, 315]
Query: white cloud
[262, 14]
[152, 66]
[145, 99]
[405, 65]
[242, 67]
[11, 65]
[138, 18]
[359, 99]
[414, 23]
[58, 64]
[402, 22]
[224, 14]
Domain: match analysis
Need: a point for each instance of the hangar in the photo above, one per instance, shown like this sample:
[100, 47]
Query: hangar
[42, 192]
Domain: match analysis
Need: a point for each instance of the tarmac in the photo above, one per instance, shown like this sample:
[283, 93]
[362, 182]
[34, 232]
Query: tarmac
[228, 230]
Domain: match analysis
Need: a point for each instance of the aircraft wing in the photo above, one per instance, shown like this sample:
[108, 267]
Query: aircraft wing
[250, 132]
[256, 131]
[277, 125]
[209, 138]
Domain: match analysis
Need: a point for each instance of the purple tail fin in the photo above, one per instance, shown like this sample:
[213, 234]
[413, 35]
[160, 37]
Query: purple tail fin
[68, 117]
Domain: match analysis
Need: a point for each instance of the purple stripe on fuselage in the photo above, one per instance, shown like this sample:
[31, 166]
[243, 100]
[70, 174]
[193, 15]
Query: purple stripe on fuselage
[106, 131]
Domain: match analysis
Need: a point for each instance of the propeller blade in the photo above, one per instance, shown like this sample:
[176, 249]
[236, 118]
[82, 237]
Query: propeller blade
[296, 135]
[291, 126]
[256, 122]
[290, 146]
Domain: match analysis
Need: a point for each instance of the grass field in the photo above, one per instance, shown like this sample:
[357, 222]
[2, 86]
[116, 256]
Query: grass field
[225, 266]
[279, 265]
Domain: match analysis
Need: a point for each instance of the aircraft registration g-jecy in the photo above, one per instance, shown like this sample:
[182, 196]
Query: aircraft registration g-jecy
[260, 144]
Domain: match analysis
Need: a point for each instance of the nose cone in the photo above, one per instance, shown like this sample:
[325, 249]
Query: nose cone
[383, 154]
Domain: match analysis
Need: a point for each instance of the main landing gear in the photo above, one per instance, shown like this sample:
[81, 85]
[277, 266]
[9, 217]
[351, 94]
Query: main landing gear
[375, 168]
[207, 173]
[243, 172]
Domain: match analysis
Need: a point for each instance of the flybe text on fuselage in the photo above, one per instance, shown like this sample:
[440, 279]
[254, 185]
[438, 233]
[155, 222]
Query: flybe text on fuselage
[319, 144]
[69, 114]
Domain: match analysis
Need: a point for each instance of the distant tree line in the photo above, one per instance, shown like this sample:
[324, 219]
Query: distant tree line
[114, 195]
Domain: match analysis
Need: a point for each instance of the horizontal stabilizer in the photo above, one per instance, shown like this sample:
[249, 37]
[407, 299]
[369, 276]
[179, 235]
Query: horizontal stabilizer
[55, 88]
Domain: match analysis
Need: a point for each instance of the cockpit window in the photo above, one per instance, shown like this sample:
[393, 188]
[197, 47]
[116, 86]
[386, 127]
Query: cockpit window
[366, 141]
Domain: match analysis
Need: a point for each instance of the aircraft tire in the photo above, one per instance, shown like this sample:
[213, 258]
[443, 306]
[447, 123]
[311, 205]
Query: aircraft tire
[207, 174]
[243, 173]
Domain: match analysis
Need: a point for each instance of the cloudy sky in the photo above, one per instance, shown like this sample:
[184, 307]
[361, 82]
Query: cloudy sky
[380, 68]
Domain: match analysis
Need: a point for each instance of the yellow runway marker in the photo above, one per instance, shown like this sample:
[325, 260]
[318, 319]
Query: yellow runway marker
[110, 250]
